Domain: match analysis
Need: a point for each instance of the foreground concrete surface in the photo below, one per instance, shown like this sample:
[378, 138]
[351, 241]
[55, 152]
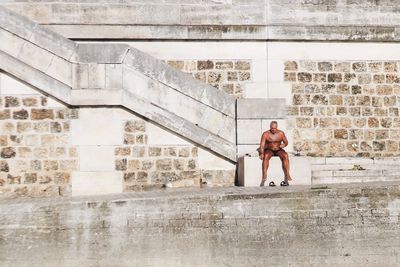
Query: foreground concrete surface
[335, 225]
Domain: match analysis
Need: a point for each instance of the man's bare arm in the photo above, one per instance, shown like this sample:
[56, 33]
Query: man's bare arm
[262, 145]
[285, 141]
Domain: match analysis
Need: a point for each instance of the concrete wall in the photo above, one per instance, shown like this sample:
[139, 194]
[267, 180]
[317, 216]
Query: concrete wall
[337, 226]
[50, 149]
[222, 19]
[116, 74]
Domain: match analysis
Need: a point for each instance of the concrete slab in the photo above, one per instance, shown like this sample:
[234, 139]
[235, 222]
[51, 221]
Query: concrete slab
[10, 43]
[209, 161]
[11, 86]
[248, 132]
[35, 56]
[97, 75]
[96, 158]
[250, 171]
[258, 108]
[61, 70]
[96, 183]
[96, 131]
[158, 136]
[80, 76]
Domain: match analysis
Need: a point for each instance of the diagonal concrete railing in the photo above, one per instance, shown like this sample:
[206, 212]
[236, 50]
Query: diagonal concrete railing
[117, 74]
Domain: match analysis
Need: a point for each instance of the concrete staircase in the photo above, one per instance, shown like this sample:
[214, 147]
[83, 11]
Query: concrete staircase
[354, 170]
[118, 75]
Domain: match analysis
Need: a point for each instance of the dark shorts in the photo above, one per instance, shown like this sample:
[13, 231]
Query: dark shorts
[274, 153]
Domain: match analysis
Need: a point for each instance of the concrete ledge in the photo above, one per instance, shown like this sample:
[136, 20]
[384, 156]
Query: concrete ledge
[161, 32]
[231, 32]
[333, 170]
[250, 171]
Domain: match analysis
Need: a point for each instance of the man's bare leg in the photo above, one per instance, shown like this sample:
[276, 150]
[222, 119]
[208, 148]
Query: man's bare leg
[265, 165]
[285, 164]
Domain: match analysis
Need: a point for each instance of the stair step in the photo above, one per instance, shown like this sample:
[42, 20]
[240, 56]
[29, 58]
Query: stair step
[339, 167]
[346, 173]
[353, 179]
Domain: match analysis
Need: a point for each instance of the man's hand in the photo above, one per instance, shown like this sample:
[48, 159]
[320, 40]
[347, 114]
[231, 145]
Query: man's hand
[282, 145]
[262, 156]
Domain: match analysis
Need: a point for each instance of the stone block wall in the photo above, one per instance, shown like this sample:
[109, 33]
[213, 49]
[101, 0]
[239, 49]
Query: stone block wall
[36, 156]
[50, 149]
[228, 75]
[147, 166]
[345, 108]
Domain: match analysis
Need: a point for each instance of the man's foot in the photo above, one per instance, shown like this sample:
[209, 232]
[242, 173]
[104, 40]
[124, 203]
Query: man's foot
[284, 183]
[262, 183]
[288, 179]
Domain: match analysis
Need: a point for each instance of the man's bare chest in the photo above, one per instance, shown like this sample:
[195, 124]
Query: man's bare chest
[274, 138]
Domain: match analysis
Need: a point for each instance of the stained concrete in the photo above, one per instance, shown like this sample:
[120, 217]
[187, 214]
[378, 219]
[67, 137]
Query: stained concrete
[356, 20]
[340, 225]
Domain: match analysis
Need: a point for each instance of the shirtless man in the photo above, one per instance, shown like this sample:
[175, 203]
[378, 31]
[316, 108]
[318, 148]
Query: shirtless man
[272, 143]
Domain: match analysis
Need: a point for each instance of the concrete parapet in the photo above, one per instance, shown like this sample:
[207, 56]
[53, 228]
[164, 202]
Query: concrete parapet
[207, 227]
[34, 77]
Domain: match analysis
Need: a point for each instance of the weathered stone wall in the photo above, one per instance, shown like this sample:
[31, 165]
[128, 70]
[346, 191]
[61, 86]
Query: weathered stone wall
[345, 108]
[351, 225]
[50, 149]
[147, 166]
[36, 156]
[209, 19]
[230, 76]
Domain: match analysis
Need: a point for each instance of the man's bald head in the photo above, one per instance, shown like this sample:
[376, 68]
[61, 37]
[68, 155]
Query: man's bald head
[273, 126]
